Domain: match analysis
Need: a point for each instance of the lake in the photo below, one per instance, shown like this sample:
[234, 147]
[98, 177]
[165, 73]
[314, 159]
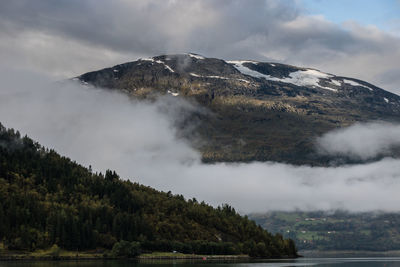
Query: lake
[323, 262]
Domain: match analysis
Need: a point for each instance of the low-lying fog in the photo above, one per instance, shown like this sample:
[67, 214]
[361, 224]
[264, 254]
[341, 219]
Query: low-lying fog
[107, 130]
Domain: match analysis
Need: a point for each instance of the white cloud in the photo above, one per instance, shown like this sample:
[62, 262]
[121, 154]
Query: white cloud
[138, 140]
[361, 141]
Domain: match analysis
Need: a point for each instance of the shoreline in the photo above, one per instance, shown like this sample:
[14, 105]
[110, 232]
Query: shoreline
[156, 256]
[144, 257]
[348, 253]
[195, 257]
[45, 258]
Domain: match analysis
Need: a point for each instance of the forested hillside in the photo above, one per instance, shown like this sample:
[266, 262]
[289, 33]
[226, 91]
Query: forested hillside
[47, 199]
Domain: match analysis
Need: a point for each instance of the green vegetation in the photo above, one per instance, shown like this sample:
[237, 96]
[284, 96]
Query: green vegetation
[49, 204]
[53, 252]
[126, 249]
[336, 231]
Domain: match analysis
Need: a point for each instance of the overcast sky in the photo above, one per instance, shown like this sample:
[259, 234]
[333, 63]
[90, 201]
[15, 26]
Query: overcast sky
[65, 38]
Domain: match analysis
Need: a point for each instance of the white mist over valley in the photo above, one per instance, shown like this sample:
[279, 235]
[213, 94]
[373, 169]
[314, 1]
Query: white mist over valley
[138, 139]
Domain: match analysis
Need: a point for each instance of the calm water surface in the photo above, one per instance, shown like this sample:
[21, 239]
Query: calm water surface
[325, 262]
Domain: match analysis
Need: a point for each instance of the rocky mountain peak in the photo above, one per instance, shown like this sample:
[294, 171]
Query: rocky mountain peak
[260, 110]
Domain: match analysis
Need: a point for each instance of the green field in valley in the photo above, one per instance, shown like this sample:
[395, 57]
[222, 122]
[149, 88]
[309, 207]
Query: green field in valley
[336, 230]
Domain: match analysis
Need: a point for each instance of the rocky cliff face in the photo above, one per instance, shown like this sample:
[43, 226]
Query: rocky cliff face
[258, 111]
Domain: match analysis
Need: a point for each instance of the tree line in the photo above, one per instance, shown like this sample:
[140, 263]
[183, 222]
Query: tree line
[47, 199]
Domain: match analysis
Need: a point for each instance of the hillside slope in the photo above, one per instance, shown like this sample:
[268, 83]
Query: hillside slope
[257, 111]
[46, 199]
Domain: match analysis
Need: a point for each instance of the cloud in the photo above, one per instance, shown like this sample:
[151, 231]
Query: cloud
[361, 141]
[51, 54]
[71, 37]
[106, 129]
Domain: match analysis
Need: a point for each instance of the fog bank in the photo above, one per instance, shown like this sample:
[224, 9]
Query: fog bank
[361, 141]
[107, 130]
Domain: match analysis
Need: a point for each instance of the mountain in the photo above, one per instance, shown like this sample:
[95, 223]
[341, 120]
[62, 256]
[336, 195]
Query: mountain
[48, 200]
[254, 110]
[266, 111]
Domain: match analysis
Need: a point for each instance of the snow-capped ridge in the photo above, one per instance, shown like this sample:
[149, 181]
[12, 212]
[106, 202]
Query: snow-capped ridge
[269, 78]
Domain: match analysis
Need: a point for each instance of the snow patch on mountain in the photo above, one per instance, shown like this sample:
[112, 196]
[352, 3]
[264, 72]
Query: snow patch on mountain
[309, 77]
[172, 93]
[159, 62]
[147, 59]
[354, 83]
[216, 77]
[238, 64]
[206, 76]
[165, 65]
[336, 82]
[169, 68]
[195, 56]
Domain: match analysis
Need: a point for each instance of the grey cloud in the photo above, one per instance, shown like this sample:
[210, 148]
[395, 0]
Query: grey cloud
[390, 77]
[141, 26]
[50, 54]
[105, 32]
[138, 139]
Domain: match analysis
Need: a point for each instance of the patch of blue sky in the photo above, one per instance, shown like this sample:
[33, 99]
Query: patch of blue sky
[384, 14]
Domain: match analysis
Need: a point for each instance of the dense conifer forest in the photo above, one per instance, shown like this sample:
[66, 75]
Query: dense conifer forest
[47, 200]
